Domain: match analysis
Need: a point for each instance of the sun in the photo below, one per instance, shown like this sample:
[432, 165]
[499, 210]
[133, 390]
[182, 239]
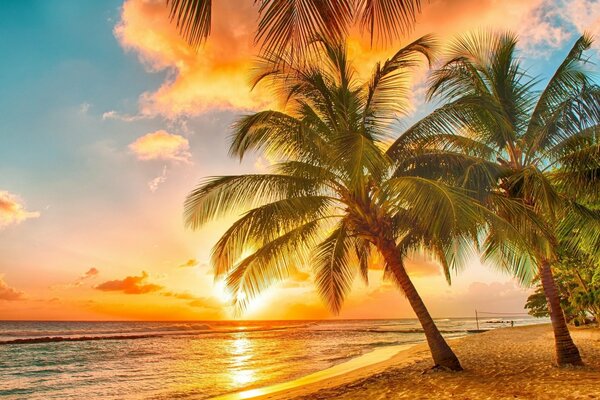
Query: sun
[222, 293]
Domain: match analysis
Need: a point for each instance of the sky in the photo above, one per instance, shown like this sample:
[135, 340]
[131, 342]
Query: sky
[108, 119]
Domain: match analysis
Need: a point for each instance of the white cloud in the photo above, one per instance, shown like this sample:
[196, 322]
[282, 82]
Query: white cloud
[115, 115]
[154, 183]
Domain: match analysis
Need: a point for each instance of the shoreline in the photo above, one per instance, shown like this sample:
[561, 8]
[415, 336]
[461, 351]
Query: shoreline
[501, 363]
[329, 377]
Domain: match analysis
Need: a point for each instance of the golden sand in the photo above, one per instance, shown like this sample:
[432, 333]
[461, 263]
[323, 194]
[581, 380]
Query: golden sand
[509, 363]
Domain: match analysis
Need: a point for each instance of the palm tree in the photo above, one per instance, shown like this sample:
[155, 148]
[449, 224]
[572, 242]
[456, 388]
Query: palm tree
[293, 24]
[335, 197]
[509, 139]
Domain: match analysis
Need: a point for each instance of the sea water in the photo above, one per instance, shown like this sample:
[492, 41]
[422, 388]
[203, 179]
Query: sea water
[189, 360]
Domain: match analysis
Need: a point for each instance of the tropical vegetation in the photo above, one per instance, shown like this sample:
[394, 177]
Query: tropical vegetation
[335, 196]
[509, 138]
[577, 278]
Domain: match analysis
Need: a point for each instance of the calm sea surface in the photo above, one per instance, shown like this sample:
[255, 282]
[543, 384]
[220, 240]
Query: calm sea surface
[195, 360]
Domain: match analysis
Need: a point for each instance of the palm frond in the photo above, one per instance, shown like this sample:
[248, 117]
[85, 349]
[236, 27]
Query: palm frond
[333, 272]
[271, 263]
[388, 86]
[570, 77]
[387, 19]
[264, 224]
[475, 174]
[576, 113]
[292, 24]
[579, 173]
[450, 211]
[535, 188]
[217, 197]
[470, 117]
[579, 230]
[278, 135]
[193, 19]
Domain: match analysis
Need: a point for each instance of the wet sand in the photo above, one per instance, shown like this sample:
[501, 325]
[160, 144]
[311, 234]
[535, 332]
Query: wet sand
[508, 363]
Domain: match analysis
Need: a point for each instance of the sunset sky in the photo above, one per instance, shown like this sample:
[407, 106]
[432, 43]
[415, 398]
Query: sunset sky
[108, 119]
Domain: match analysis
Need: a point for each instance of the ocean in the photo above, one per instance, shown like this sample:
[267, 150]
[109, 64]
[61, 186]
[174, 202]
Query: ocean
[190, 360]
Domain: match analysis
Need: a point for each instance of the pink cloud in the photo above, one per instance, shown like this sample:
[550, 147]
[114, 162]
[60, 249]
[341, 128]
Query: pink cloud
[12, 210]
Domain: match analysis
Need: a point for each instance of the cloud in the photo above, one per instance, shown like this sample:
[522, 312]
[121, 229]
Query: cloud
[12, 210]
[162, 145]
[213, 77]
[9, 294]
[585, 17]
[84, 107]
[90, 273]
[130, 285]
[115, 115]
[195, 301]
[162, 178]
[180, 295]
[207, 303]
[192, 262]
[543, 26]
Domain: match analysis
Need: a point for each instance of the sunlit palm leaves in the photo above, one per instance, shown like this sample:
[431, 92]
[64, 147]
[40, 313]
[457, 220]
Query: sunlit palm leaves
[193, 18]
[292, 24]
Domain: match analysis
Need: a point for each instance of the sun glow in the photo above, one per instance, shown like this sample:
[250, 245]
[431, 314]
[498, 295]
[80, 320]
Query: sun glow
[254, 305]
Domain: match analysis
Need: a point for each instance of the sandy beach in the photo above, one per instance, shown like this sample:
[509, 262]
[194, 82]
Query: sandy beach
[505, 363]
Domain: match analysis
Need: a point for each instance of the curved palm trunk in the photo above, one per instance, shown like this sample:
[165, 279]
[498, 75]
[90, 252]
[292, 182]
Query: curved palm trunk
[442, 354]
[566, 351]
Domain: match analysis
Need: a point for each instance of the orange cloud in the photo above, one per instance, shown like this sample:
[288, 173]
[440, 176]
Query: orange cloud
[161, 145]
[90, 273]
[12, 210]
[214, 77]
[9, 294]
[130, 285]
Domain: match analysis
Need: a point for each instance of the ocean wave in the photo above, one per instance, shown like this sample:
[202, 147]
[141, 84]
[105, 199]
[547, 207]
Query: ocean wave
[51, 339]
[112, 331]
[85, 335]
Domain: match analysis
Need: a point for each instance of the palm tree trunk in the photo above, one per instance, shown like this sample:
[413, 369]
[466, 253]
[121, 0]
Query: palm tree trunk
[566, 351]
[442, 354]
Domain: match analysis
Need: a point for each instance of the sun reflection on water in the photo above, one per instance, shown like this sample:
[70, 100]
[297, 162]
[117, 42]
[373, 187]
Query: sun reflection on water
[241, 353]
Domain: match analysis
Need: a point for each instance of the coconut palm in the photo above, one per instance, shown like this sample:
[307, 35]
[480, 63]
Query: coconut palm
[510, 139]
[294, 23]
[335, 197]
